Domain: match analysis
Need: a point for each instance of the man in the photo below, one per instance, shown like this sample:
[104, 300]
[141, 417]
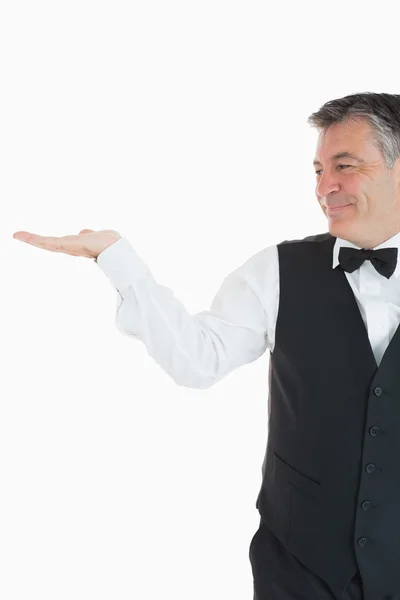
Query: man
[330, 496]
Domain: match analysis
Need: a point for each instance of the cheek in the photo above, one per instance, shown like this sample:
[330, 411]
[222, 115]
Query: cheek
[354, 187]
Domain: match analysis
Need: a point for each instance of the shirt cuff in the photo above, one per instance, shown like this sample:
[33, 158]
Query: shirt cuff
[121, 264]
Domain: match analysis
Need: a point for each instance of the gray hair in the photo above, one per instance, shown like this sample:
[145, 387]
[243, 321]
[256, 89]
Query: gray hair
[381, 111]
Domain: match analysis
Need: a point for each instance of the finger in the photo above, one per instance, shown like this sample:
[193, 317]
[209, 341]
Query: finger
[21, 235]
[66, 243]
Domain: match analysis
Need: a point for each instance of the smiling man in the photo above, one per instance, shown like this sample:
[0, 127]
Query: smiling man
[330, 495]
[327, 307]
[358, 193]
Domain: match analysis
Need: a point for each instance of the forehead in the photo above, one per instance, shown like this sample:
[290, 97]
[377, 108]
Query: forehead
[344, 139]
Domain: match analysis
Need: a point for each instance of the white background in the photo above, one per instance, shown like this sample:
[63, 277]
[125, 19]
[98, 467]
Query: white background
[182, 125]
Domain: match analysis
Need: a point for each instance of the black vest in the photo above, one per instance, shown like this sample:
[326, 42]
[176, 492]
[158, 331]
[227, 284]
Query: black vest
[331, 474]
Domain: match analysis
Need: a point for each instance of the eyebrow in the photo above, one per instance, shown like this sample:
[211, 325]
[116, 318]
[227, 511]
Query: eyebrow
[342, 155]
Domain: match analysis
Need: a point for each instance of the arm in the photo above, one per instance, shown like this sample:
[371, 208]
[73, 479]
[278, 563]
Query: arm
[197, 350]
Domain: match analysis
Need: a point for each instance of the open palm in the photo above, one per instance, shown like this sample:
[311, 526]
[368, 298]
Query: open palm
[87, 243]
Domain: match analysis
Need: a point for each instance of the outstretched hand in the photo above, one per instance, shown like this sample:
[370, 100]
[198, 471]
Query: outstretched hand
[87, 243]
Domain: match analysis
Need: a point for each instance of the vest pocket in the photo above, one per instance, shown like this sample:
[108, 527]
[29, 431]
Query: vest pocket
[296, 478]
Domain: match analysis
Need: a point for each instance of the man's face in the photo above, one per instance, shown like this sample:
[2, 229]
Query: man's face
[370, 191]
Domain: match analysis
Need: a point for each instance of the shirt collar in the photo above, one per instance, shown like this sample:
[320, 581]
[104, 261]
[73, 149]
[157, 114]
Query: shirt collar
[393, 242]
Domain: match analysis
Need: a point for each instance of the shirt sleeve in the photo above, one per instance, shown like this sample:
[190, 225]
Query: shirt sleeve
[196, 350]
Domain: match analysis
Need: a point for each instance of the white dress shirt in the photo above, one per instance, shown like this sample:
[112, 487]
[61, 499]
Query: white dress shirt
[199, 350]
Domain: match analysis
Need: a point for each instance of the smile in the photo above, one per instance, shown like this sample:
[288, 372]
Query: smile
[336, 209]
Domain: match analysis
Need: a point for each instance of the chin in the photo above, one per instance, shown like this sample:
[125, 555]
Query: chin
[334, 224]
[339, 229]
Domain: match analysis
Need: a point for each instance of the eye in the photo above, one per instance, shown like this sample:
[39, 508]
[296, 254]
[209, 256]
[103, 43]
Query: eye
[345, 166]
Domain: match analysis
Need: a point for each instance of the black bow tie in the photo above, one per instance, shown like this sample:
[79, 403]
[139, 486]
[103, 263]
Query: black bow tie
[384, 260]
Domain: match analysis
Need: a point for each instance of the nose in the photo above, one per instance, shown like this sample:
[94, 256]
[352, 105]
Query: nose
[326, 184]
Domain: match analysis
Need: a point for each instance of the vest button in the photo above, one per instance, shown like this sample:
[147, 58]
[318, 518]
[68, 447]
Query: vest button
[370, 468]
[374, 430]
[366, 504]
[362, 541]
[378, 391]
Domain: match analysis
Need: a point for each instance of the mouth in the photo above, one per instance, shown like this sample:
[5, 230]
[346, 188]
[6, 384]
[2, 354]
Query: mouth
[336, 209]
